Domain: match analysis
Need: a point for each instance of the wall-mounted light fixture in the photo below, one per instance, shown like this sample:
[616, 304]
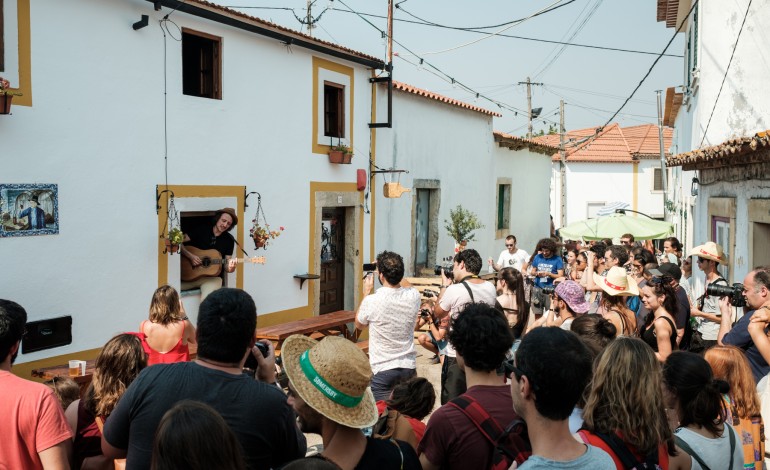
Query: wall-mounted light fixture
[145, 21]
[694, 186]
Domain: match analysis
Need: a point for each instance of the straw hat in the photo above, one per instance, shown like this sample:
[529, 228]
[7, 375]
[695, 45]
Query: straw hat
[710, 250]
[332, 376]
[617, 282]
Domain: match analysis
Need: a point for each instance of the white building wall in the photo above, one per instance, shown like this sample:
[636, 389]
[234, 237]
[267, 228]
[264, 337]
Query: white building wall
[96, 130]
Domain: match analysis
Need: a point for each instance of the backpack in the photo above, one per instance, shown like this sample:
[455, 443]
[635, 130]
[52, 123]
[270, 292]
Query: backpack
[629, 461]
[508, 445]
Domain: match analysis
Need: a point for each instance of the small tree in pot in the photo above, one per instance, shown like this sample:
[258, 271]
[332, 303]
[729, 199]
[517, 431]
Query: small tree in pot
[461, 224]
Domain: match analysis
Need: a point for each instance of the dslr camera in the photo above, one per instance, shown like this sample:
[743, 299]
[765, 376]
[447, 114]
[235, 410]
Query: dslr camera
[549, 290]
[447, 270]
[734, 292]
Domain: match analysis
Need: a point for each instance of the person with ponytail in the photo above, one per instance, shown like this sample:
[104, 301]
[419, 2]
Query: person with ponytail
[510, 301]
[742, 403]
[690, 390]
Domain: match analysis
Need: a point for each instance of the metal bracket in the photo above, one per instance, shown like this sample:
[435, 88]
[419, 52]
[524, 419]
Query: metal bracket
[389, 81]
[158, 195]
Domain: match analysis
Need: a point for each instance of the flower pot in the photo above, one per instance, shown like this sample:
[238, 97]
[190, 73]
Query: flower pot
[337, 156]
[5, 103]
[347, 158]
[171, 247]
[260, 242]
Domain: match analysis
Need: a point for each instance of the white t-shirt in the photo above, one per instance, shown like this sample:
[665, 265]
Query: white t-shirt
[456, 297]
[516, 260]
[710, 329]
[715, 452]
[391, 315]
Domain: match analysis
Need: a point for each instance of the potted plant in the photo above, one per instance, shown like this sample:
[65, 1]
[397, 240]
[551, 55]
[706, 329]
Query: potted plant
[175, 238]
[262, 235]
[460, 226]
[340, 153]
[6, 95]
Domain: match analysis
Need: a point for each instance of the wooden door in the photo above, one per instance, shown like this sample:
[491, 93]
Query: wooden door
[421, 226]
[332, 260]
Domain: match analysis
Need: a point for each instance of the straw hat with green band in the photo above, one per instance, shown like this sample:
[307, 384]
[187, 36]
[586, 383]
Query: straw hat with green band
[332, 376]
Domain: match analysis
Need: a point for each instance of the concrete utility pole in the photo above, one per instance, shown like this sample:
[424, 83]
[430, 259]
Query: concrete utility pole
[563, 165]
[529, 104]
[663, 173]
[309, 17]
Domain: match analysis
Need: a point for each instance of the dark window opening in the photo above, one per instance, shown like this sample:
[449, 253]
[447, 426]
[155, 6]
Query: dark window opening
[657, 179]
[334, 110]
[201, 65]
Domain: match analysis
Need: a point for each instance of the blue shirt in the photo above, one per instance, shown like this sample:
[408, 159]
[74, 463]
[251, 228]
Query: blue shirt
[739, 336]
[551, 265]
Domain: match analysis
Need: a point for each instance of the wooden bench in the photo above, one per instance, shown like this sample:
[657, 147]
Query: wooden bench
[316, 327]
[363, 346]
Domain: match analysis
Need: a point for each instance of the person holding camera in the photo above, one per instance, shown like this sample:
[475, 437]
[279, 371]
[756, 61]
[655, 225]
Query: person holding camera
[436, 329]
[708, 308]
[389, 313]
[546, 266]
[464, 287]
[748, 333]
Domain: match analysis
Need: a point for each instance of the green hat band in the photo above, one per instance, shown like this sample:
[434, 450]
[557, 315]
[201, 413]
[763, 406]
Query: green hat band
[324, 387]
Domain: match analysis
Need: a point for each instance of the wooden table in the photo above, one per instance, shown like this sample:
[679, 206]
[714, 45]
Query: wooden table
[327, 324]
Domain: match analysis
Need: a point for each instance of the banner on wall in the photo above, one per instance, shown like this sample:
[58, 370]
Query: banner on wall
[29, 209]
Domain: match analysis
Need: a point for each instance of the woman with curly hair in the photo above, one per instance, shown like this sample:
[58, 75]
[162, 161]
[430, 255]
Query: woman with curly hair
[624, 414]
[692, 392]
[742, 403]
[659, 330]
[117, 365]
[168, 331]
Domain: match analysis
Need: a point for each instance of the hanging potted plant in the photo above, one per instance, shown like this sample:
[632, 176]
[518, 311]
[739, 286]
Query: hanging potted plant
[260, 230]
[6, 95]
[340, 153]
[175, 238]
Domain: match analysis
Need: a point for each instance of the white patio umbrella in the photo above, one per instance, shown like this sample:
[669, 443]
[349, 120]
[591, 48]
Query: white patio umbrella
[615, 226]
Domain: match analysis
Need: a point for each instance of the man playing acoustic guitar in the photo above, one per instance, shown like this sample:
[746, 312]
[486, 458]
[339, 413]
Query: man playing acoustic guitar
[216, 237]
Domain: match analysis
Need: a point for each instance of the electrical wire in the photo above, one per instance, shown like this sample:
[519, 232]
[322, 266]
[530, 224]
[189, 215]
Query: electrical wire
[469, 28]
[475, 41]
[727, 70]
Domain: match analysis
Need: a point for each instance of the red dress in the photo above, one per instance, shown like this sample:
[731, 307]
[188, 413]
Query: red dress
[179, 353]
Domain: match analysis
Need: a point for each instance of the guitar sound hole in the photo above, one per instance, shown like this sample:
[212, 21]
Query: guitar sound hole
[206, 262]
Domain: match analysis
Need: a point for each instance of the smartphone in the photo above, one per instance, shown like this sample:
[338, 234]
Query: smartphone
[370, 267]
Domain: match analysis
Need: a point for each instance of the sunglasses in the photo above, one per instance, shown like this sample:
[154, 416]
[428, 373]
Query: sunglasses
[510, 368]
[508, 245]
[702, 260]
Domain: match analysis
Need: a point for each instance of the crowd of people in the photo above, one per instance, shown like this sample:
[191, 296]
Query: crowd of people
[599, 356]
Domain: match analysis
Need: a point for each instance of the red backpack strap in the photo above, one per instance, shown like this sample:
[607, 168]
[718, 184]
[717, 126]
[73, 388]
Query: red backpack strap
[473, 410]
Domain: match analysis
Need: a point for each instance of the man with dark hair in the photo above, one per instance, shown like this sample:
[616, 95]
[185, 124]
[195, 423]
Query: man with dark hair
[615, 255]
[550, 372]
[627, 239]
[546, 266]
[390, 313]
[256, 410]
[708, 307]
[481, 336]
[510, 257]
[748, 333]
[33, 431]
[465, 287]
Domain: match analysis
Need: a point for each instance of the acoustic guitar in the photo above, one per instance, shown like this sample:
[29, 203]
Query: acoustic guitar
[212, 262]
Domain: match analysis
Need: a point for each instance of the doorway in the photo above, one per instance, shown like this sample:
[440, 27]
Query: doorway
[761, 245]
[332, 282]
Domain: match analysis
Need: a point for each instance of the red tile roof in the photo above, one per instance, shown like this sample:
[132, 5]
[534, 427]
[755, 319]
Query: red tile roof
[729, 150]
[444, 99]
[515, 143]
[667, 11]
[612, 145]
[270, 25]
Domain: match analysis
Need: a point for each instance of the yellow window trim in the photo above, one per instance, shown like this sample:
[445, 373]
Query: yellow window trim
[237, 192]
[25, 55]
[319, 63]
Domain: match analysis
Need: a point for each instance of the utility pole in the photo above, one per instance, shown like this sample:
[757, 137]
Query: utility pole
[529, 104]
[562, 166]
[309, 17]
[662, 149]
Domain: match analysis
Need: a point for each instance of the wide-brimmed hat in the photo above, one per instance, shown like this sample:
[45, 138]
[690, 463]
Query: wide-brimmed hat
[617, 282]
[574, 295]
[332, 376]
[710, 250]
[229, 211]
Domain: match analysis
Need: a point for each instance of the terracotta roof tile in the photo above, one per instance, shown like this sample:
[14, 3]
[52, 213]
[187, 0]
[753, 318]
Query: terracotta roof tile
[444, 99]
[667, 11]
[728, 149]
[268, 24]
[515, 143]
[612, 145]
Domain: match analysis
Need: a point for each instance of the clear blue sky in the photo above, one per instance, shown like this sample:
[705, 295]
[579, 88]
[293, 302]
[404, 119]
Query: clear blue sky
[584, 78]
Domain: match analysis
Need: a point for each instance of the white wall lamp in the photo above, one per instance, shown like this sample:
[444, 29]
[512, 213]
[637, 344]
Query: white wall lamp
[694, 186]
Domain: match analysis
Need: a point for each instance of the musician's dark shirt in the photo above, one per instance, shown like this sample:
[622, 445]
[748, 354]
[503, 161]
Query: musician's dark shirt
[203, 237]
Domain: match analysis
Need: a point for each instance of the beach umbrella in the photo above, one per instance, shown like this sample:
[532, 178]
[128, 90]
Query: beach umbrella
[610, 207]
[615, 225]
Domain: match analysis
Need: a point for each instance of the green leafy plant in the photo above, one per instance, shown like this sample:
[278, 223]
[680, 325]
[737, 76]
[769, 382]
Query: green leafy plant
[340, 147]
[175, 236]
[461, 224]
[5, 88]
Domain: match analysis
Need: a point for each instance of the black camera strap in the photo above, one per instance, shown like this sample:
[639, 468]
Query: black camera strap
[702, 298]
[467, 287]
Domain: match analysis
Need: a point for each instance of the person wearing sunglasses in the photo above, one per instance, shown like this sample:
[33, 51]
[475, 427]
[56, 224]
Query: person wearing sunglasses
[510, 257]
[708, 307]
[545, 400]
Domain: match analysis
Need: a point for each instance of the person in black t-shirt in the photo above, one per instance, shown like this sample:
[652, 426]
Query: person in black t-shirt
[216, 237]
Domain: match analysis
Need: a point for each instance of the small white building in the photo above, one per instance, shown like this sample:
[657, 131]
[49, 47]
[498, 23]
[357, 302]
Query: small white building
[720, 163]
[607, 165]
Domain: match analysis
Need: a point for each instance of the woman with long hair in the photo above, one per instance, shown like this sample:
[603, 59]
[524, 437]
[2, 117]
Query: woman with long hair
[569, 264]
[510, 301]
[617, 312]
[168, 332]
[659, 330]
[624, 414]
[742, 403]
[691, 390]
[581, 263]
[117, 365]
[672, 250]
